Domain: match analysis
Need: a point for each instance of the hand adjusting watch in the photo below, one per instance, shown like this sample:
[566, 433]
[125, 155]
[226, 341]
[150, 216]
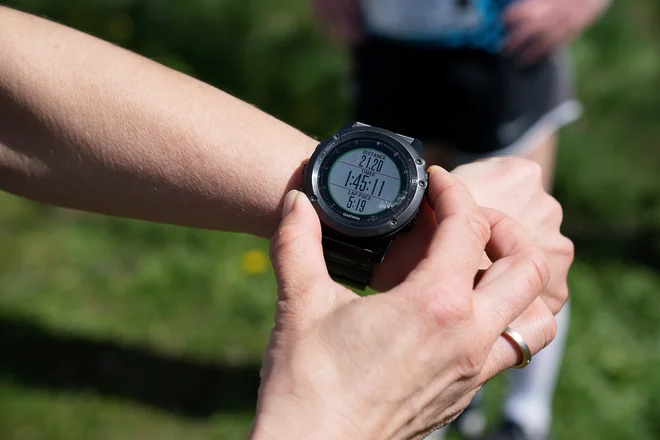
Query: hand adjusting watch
[367, 185]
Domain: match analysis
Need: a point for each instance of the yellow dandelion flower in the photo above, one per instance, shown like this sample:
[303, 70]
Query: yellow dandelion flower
[254, 261]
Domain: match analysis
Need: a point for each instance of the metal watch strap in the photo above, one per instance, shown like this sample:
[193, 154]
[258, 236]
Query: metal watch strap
[348, 264]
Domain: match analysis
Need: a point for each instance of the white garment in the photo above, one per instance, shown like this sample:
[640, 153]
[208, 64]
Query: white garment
[420, 19]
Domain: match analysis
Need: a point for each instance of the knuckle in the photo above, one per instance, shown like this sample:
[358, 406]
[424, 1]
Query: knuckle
[477, 223]
[521, 164]
[472, 362]
[284, 238]
[562, 293]
[567, 248]
[556, 210]
[534, 172]
[528, 170]
[556, 297]
[511, 162]
[291, 313]
[560, 248]
[540, 273]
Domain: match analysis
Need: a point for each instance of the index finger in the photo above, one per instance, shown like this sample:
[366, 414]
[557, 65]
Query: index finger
[518, 275]
[456, 249]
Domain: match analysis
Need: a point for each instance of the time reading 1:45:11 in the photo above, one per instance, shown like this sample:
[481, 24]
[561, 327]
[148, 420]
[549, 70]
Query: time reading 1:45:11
[364, 183]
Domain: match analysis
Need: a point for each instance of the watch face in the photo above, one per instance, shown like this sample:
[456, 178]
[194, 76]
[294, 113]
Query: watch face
[364, 180]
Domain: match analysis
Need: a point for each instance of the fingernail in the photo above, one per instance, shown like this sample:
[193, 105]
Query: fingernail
[289, 201]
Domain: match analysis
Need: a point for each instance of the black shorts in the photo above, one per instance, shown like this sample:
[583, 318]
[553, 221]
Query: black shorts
[474, 102]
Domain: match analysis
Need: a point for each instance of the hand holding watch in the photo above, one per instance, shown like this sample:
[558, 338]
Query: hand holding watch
[367, 185]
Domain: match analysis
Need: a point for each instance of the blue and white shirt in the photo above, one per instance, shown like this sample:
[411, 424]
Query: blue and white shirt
[451, 23]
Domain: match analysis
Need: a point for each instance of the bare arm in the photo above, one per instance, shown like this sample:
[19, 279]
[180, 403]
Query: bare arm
[87, 125]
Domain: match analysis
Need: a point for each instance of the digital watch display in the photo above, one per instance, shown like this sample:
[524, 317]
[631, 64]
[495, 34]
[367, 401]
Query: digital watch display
[364, 181]
[366, 184]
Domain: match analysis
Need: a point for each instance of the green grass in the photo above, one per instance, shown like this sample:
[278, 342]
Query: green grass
[90, 303]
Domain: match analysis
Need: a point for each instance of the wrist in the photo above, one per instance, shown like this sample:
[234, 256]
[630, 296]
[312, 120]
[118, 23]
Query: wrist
[290, 174]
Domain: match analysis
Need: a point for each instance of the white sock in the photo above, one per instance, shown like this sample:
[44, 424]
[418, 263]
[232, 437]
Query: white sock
[529, 403]
[437, 435]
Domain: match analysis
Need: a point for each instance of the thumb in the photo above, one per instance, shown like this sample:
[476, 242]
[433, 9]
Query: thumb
[295, 249]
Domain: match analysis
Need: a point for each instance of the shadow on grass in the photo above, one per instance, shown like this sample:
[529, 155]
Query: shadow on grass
[641, 247]
[34, 356]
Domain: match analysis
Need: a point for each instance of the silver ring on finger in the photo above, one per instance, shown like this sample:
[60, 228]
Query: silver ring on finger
[517, 340]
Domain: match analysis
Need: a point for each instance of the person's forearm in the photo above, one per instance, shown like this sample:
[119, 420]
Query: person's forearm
[87, 125]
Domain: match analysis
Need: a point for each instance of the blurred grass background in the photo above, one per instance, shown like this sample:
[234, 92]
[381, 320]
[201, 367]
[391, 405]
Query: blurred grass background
[113, 329]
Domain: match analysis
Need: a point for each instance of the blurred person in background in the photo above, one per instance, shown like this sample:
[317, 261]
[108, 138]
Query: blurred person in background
[472, 79]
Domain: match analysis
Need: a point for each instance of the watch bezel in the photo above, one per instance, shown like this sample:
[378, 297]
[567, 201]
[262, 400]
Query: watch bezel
[353, 228]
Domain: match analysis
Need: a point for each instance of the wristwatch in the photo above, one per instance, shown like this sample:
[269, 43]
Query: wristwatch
[366, 184]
